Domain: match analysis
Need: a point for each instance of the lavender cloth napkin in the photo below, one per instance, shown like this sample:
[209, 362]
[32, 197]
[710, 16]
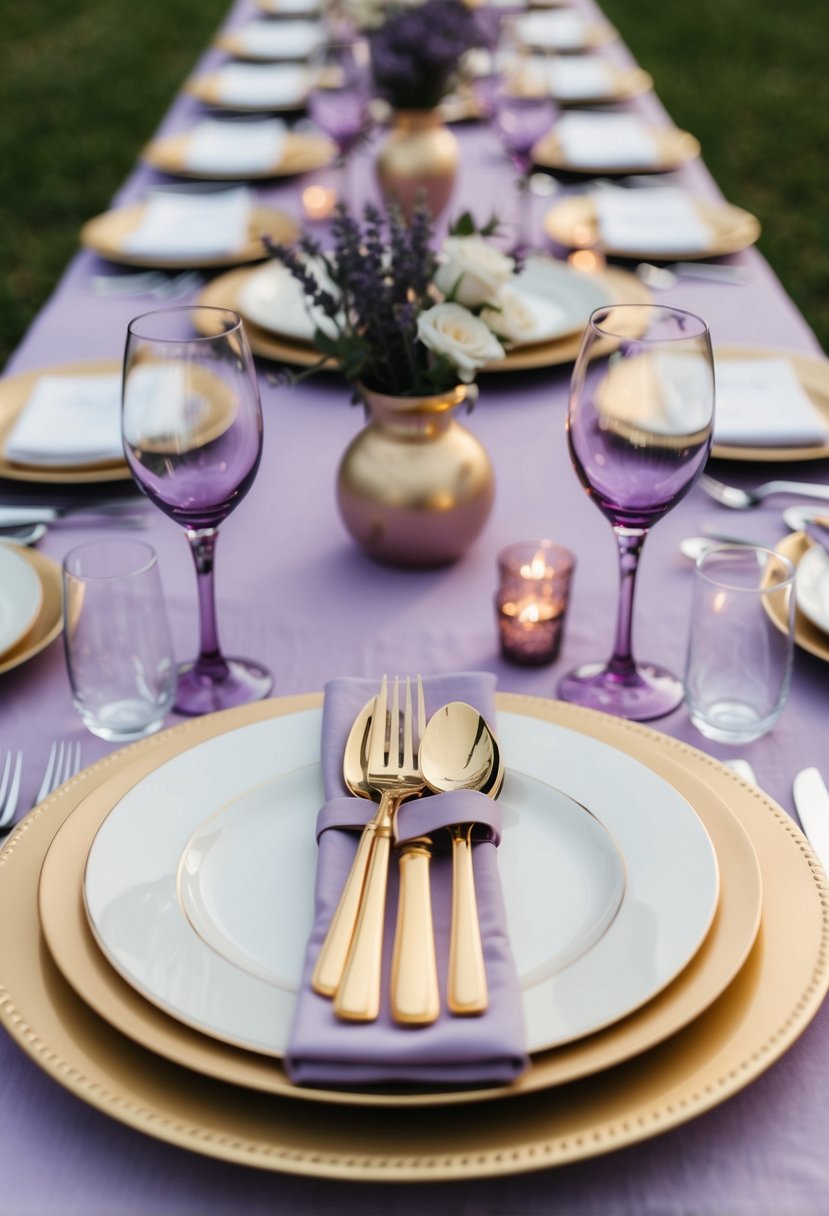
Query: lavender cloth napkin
[457, 1051]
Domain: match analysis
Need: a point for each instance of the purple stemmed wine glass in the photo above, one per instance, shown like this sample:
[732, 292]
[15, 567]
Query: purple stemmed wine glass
[522, 112]
[192, 430]
[339, 99]
[639, 428]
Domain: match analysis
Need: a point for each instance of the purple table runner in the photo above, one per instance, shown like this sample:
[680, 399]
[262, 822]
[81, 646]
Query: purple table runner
[294, 592]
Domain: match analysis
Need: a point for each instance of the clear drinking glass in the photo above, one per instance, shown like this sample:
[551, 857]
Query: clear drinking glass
[639, 427]
[339, 100]
[117, 642]
[192, 427]
[741, 642]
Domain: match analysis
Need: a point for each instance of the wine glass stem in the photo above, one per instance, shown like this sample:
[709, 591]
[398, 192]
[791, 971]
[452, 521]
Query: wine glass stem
[630, 542]
[524, 234]
[210, 664]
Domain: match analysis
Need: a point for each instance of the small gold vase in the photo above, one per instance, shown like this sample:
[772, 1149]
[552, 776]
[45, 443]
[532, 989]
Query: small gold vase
[415, 488]
[420, 154]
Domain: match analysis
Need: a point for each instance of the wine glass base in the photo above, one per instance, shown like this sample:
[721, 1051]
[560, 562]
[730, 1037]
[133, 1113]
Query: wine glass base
[645, 693]
[244, 681]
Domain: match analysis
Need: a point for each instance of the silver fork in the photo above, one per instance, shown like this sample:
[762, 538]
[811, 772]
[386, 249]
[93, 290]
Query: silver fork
[64, 762]
[393, 771]
[9, 791]
[742, 500]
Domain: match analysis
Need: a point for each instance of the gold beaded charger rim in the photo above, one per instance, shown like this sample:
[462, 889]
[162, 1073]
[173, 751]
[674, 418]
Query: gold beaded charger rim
[813, 373]
[15, 392]
[81, 962]
[303, 152]
[771, 1001]
[573, 222]
[224, 292]
[105, 236]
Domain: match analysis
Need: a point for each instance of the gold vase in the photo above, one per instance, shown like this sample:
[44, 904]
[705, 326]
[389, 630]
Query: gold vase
[415, 488]
[420, 154]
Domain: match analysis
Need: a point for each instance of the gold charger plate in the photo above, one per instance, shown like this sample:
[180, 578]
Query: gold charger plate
[807, 635]
[224, 290]
[105, 234]
[15, 391]
[623, 85]
[207, 89]
[302, 153]
[79, 959]
[48, 623]
[573, 223]
[813, 374]
[771, 1001]
[673, 147]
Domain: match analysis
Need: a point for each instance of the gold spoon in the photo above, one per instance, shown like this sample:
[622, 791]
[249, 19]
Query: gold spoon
[459, 752]
[330, 962]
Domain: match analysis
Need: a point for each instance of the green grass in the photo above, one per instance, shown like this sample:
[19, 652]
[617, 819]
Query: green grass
[749, 79]
[83, 83]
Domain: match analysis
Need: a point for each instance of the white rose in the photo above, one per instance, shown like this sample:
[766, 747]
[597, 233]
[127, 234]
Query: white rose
[472, 269]
[452, 330]
[520, 317]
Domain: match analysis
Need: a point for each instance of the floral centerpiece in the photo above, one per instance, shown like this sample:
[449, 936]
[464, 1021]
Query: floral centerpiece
[410, 328]
[398, 317]
[416, 50]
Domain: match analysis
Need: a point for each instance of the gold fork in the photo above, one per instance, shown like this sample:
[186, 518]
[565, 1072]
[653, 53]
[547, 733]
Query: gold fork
[394, 772]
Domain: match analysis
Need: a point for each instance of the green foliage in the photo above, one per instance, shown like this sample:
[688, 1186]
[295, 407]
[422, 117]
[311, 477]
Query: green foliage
[83, 84]
[749, 79]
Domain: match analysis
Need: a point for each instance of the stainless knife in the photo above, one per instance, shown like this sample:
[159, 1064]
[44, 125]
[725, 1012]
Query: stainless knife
[811, 800]
[124, 513]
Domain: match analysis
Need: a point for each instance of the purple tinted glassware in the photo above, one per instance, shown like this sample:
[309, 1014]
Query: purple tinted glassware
[522, 112]
[639, 428]
[340, 97]
[192, 429]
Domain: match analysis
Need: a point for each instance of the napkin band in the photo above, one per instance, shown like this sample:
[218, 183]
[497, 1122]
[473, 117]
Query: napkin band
[418, 817]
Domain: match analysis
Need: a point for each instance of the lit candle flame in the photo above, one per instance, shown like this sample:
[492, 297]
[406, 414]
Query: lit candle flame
[530, 614]
[536, 569]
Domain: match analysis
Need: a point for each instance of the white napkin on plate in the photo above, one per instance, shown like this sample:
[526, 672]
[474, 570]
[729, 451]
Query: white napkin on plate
[280, 39]
[191, 224]
[811, 586]
[69, 420]
[575, 77]
[522, 317]
[562, 30]
[254, 84]
[761, 403]
[661, 220]
[218, 146]
[608, 140]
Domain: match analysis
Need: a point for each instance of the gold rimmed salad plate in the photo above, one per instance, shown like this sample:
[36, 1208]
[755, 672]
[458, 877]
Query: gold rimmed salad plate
[813, 373]
[573, 222]
[302, 152]
[106, 234]
[672, 148]
[47, 623]
[761, 1013]
[622, 84]
[555, 279]
[263, 41]
[182, 890]
[713, 967]
[807, 634]
[15, 392]
[21, 597]
[564, 31]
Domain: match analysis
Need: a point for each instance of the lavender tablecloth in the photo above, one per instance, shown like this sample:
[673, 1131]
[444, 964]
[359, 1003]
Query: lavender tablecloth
[294, 592]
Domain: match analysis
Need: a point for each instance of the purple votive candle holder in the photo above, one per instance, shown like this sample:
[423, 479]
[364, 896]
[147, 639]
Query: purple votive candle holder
[531, 601]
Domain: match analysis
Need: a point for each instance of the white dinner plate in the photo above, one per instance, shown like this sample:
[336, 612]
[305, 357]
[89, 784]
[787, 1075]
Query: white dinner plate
[812, 586]
[556, 862]
[559, 298]
[21, 595]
